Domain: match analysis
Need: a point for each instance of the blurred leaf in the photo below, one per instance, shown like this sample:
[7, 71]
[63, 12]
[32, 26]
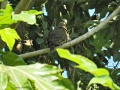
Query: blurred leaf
[9, 35]
[5, 15]
[1, 0]
[104, 80]
[116, 43]
[100, 72]
[44, 25]
[116, 55]
[73, 35]
[65, 54]
[40, 40]
[33, 12]
[11, 86]
[11, 59]
[29, 18]
[83, 62]
[89, 22]
[101, 75]
[86, 64]
[35, 77]
[72, 3]
[102, 39]
[3, 79]
[26, 16]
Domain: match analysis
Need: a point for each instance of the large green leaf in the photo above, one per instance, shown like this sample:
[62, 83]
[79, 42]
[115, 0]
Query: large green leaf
[34, 77]
[100, 72]
[11, 59]
[3, 79]
[26, 16]
[5, 15]
[101, 75]
[1, 0]
[106, 81]
[9, 35]
[83, 62]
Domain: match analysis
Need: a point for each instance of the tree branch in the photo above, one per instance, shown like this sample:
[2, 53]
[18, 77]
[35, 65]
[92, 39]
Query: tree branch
[77, 40]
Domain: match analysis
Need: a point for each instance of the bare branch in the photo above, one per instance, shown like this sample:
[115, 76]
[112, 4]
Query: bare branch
[77, 40]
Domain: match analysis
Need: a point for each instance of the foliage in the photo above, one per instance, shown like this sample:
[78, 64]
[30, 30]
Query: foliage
[101, 74]
[9, 35]
[99, 48]
[32, 77]
[27, 16]
[11, 59]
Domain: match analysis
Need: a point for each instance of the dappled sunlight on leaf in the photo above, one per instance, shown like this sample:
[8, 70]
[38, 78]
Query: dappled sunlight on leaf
[36, 76]
[27, 16]
[9, 35]
[5, 17]
[101, 75]
[66, 54]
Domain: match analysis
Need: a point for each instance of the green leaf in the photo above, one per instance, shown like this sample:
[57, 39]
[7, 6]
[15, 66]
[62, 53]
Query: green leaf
[74, 35]
[3, 79]
[11, 86]
[65, 54]
[86, 64]
[5, 15]
[104, 80]
[100, 72]
[27, 16]
[36, 76]
[40, 40]
[83, 62]
[9, 35]
[11, 59]
[1, 0]
[101, 75]
[33, 12]
[89, 22]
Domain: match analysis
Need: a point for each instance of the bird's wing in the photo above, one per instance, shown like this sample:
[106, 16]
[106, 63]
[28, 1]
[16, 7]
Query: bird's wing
[57, 36]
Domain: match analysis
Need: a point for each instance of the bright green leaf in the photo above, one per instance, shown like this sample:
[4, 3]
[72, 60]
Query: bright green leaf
[3, 79]
[87, 64]
[9, 35]
[66, 54]
[5, 15]
[1, 0]
[33, 12]
[84, 63]
[11, 86]
[104, 80]
[100, 72]
[8, 9]
[36, 77]
[101, 75]
[26, 16]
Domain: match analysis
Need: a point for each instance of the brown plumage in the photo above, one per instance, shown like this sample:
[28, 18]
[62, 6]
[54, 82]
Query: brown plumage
[58, 36]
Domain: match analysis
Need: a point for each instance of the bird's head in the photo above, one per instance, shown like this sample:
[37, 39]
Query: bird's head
[63, 23]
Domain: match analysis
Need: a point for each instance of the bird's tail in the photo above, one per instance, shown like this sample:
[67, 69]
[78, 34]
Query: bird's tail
[52, 47]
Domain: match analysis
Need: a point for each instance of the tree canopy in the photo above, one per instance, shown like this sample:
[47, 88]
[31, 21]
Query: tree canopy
[24, 28]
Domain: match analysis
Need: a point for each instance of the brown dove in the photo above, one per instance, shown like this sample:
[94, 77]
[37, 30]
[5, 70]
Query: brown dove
[58, 36]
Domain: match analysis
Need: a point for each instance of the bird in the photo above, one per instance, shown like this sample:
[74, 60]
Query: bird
[58, 36]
